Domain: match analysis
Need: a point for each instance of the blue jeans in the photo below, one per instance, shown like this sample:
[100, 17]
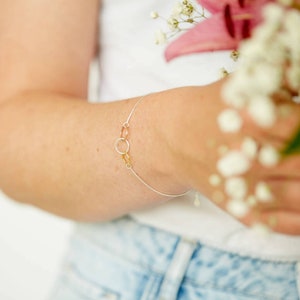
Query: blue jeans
[125, 260]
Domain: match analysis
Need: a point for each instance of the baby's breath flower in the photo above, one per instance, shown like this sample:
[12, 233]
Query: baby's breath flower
[268, 156]
[214, 180]
[249, 48]
[177, 10]
[296, 99]
[235, 55]
[264, 78]
[273, 15]
[223, 73]
[233, 94]
[188, 8]
[237, 208]
[249, 147]
[236, 187]
[263, 192]
[229, 120]
[290, 36]
[160, 37]
[251, 201]
[173, 23]
[154, 15]
[184, 15]
[233, 163]
[262, 111]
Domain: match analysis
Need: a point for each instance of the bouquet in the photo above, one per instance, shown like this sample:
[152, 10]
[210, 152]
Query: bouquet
[264, 36]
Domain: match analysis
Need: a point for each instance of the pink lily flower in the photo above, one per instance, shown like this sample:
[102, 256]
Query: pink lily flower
[230, 22]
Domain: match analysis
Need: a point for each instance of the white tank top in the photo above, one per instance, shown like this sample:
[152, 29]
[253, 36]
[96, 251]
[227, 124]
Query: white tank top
[131, 65]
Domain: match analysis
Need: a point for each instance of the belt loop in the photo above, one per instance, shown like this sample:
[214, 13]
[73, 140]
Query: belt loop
[298, 277]
[177, 269]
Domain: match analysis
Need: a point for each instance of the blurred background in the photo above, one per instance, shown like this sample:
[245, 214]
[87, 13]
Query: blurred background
[32, 245]
[32, 242]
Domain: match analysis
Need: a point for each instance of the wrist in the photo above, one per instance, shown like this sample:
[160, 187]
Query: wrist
[152, 153]
[191, 133]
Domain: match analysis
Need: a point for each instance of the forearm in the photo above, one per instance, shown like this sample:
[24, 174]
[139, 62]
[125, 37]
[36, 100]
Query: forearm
[57, 153]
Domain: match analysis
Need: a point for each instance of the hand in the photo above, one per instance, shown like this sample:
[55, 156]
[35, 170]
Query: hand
[200, 141]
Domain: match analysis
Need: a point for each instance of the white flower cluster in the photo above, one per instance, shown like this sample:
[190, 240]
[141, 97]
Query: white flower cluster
[184, 14]
[270, 64]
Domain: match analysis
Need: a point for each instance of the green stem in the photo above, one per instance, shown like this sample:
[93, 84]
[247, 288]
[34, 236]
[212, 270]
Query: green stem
[293, 146]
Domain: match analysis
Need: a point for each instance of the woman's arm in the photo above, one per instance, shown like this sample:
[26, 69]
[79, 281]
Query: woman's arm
[57, 151]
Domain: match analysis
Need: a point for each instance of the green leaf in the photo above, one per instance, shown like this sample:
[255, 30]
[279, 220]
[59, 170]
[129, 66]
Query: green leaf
[293, 146]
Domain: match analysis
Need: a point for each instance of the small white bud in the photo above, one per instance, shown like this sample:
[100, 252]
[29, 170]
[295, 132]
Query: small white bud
[237, 208]
[154, 15]
[236, 187]
[229, 120]
[160, 37]
[263, 192]
[262, 111]
[233, 163]
[251, 201]
[249, 147]
[268, 156]
[215, 180]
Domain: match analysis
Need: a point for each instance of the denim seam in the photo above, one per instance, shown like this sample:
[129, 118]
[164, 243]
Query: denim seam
[298, 277]
[152, 287]
[174, 274]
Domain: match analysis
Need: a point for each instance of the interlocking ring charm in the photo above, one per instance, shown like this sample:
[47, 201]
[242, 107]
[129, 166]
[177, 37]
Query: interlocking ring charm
[124, 130]
[122, 142]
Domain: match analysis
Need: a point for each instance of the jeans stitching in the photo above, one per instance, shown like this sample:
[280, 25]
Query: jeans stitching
[298, 277]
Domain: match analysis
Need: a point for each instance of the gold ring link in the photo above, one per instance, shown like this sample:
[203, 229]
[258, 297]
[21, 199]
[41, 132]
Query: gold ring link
[118, 144]
[125, 130]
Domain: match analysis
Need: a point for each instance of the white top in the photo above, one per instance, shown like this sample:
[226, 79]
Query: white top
[132, 65]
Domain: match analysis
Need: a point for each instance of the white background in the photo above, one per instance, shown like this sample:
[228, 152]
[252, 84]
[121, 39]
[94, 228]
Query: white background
[32, 244]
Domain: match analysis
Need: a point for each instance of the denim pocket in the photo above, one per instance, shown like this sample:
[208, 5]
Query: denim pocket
[74, 286]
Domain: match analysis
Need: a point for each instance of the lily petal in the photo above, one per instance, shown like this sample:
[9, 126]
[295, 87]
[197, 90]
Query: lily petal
[229, 23]
[209, 35]
[215, 6]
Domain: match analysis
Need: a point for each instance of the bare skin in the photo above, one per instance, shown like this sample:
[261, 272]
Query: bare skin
[57, 150]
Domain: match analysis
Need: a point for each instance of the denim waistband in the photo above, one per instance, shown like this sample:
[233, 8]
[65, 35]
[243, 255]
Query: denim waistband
[175, 258]
[126, 253]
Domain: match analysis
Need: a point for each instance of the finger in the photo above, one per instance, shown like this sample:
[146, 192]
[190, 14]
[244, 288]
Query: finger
[286, 193]
[282, 222]
[287, 121]
[286, 168]
[279, 221]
